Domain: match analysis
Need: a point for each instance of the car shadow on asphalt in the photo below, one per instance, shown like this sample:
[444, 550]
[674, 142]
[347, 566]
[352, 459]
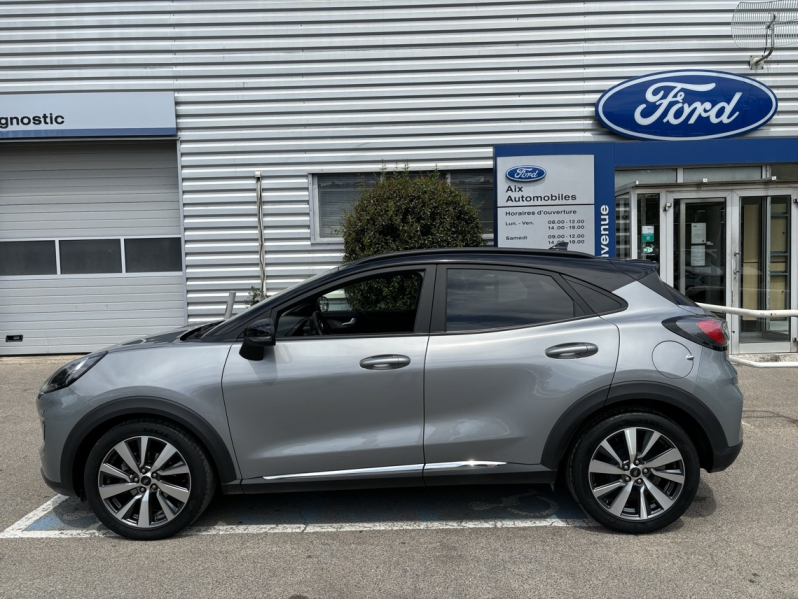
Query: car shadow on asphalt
[473, 503]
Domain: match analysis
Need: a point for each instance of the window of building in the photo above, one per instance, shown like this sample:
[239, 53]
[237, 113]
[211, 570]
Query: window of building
[722, 173]
[27, 258]
[335, 193]
[157, 254]
[784, 172]
[91, 256]
[382, 305]
[483, 299]
[623, 220]
[646, 175]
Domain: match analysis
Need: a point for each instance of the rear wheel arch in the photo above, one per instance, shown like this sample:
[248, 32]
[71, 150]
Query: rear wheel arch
[89, 430]
[677, 405]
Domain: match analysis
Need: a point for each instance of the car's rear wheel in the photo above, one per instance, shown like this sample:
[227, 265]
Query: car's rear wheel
[634, 472]
[148, 479]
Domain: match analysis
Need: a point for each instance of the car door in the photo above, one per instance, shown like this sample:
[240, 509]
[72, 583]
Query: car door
[348, 399]
[511, 349]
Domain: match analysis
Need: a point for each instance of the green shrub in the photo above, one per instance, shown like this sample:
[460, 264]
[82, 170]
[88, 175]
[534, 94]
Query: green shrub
[404, 212]
[408, 213]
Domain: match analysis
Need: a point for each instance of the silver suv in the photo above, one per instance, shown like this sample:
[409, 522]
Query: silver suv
[437, 367]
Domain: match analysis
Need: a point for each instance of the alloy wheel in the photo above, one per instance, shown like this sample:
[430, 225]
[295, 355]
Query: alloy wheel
[636, 473]
[144, 482]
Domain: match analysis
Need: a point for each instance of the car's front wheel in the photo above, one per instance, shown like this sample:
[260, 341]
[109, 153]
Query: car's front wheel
[634, 472]
[148, 479]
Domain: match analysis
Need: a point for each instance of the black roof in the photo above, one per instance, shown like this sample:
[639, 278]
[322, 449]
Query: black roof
[607, 273]
[491, 252]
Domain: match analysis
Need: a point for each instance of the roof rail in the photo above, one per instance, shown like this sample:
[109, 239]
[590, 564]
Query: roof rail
[471, 250]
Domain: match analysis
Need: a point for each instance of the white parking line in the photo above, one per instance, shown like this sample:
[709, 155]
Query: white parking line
[20, 525]
[17, 530]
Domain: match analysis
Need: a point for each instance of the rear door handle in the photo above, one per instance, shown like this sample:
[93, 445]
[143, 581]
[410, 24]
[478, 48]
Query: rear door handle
[387, 362]
[569, 351]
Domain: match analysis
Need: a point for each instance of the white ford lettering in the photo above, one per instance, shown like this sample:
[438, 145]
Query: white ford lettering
[679, 109]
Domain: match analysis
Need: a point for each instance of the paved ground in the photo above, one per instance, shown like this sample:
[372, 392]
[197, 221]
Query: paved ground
[740, 538]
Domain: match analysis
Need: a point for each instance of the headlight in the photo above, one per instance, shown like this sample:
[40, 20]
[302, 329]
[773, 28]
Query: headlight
[66, 375]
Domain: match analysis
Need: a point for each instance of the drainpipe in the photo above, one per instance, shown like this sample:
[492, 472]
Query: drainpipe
[261, 249]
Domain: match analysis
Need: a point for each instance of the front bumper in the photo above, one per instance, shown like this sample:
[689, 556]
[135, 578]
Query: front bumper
[723, 459]
[57, 487]
[59, 411]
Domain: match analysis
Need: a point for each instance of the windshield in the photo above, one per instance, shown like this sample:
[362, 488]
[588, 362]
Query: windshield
[244, 314]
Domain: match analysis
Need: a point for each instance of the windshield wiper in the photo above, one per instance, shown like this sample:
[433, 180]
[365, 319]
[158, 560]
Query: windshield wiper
[199, 331]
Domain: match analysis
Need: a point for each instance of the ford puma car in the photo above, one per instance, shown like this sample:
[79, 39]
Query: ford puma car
[420, 368]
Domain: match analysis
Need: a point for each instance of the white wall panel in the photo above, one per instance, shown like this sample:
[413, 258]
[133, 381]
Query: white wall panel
[291, 88]
[89, 190]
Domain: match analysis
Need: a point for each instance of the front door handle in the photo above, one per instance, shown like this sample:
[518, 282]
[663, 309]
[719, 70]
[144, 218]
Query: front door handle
[569, 351]
[388, 362]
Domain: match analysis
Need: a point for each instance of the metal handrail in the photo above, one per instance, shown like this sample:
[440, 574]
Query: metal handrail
[758, 314]
[747, 312]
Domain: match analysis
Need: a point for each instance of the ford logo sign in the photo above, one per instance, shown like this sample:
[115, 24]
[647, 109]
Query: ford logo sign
[526, 173]
[686, 105]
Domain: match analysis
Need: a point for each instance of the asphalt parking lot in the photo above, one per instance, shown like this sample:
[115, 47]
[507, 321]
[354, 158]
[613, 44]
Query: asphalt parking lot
[739, 539]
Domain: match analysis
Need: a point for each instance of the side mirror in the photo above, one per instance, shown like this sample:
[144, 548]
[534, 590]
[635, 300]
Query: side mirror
[257, 336]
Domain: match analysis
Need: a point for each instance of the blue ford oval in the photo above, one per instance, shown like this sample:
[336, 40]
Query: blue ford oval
[526, 173]
[691, 104]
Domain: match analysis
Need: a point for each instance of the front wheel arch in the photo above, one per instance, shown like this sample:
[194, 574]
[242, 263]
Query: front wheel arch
[89, 430]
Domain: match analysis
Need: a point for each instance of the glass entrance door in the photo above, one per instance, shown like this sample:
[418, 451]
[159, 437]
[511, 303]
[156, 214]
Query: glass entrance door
[727, 246]
[699, 261]
[762, 272]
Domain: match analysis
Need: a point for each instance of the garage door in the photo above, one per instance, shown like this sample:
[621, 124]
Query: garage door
[90, 244]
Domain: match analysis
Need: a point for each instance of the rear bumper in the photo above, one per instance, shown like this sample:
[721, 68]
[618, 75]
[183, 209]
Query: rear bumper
[723, 459]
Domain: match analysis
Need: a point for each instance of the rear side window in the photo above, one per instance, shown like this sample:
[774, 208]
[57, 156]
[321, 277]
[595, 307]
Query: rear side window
[680, 298]
[657, 285]
[482, 299]
[600, 302]
[653, 282]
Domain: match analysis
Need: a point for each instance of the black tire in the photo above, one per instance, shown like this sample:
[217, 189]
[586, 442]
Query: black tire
[190, 456]
[583, 478]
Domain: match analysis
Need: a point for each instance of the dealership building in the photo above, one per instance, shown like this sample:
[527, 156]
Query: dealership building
[137, 137]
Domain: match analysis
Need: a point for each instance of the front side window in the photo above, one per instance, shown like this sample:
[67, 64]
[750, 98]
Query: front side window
[483, 299]
[385, 304]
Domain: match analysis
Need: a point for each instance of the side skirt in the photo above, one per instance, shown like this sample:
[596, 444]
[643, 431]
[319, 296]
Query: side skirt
[431, 475]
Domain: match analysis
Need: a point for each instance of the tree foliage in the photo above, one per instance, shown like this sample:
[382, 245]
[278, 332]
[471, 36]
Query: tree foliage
[404, 212]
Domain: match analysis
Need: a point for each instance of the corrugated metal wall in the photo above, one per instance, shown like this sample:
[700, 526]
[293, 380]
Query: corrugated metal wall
[290, 88]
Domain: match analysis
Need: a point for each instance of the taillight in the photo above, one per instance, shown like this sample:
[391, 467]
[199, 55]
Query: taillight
[709, 332]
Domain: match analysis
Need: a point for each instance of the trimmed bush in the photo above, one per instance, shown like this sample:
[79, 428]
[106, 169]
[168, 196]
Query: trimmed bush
[409, 213]
[404, 212]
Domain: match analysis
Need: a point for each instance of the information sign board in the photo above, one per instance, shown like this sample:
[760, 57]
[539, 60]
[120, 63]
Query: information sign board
[545, 200]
